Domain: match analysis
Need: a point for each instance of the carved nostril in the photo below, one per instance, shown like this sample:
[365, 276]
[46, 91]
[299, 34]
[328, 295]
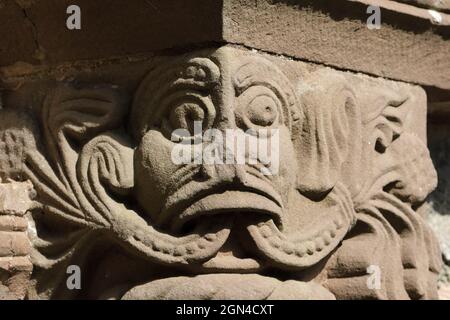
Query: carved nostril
[225, 172]
[207, 172]
[240, 174]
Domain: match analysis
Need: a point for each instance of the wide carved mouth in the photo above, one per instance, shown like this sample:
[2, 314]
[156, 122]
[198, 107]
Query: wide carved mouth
[193, 202]
[202, 231]
[245, 206]
[229, 202]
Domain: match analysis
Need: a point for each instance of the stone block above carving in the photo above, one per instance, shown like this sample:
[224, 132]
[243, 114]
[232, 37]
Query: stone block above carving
[443, 5]
[410, 45]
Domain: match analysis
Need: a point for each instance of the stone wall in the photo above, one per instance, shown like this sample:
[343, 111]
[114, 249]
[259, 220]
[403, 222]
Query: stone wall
[15, 263]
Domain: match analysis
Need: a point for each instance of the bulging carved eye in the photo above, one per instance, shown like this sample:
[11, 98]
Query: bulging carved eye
[187, 115]
[258, 107]
[262, 111]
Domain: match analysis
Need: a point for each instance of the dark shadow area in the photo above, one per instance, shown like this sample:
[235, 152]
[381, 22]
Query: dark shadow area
[37, 33]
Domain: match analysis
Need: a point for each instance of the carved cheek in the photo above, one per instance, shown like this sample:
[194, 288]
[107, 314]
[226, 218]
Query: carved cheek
[288, 167]
[154, 169]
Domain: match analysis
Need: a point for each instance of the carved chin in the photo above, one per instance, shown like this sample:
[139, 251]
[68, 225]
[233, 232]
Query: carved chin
[228, 287]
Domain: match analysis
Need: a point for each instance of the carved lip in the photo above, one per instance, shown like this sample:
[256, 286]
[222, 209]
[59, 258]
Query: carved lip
[216, 197]
[229, 201]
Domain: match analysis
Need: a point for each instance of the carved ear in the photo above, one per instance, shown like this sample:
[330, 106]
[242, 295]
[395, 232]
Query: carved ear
[330, 118]
[104, 168]
[81, 113]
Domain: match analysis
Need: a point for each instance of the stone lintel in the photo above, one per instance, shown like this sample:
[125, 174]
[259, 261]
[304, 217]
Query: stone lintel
[408, 47]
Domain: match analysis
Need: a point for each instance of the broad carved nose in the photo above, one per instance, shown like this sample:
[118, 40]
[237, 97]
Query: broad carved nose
[230, 181]
[226, 152]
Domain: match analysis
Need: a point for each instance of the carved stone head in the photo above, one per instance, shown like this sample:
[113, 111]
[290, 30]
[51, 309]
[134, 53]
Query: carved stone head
[332, 196]
[290, 219]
